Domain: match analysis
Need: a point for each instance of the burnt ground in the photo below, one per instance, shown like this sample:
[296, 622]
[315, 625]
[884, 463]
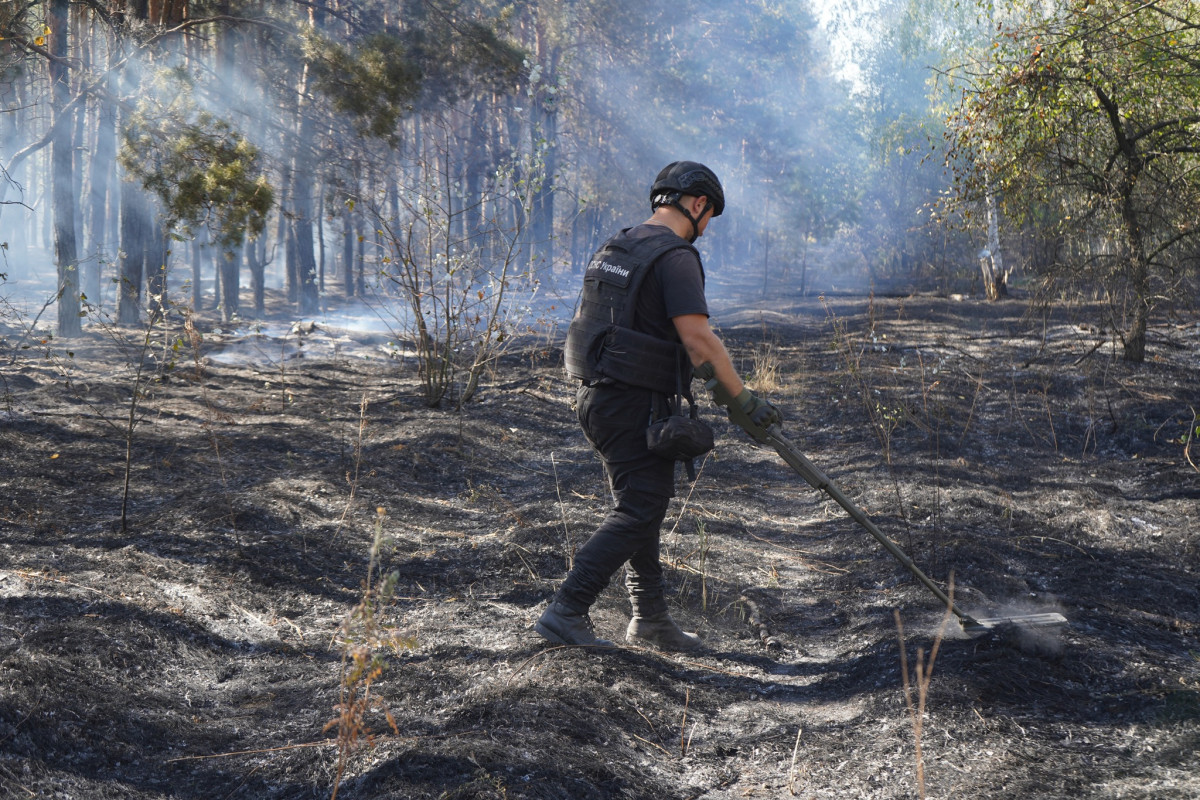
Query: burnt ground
[203, 651]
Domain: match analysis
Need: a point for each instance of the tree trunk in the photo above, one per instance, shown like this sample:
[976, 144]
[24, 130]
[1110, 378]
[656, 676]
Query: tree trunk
[258, 285]
[804, 267]
[197, 272]
[46, 222]
[291, 271]
[136, 209]
[82, 54]
[217, 265]
[306, 262]
[1135, 339]
[134, 230]
[101, 173]
[1139, 280]
[231, 279]
[63, 176]
[302, 192]
[320, 217]
[156, 271]
[348, 253]
[360, 261]
[995, 278]
[477, 165]
[542, 211]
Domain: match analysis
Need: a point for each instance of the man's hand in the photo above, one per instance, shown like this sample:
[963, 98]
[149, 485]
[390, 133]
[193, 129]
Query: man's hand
[751, 413]
[761, 413]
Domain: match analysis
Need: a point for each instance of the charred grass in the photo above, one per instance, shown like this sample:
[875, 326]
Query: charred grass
[198, 653]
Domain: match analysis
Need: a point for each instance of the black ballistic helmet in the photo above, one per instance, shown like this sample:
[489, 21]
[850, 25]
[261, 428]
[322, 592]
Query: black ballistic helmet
[687, 177]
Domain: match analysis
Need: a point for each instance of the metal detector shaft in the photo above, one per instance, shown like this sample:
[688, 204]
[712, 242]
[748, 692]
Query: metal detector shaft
[820, 481]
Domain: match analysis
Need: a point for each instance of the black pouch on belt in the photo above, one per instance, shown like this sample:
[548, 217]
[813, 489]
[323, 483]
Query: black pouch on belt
[678, 436]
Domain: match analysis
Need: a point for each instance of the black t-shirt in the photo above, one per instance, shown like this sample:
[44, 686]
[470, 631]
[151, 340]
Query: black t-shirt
[674, 287]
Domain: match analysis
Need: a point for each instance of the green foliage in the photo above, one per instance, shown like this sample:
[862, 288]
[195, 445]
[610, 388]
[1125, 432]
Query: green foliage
[375, 83]
[1087, 121]
[459, 49]
[439, 55]
[203, 170]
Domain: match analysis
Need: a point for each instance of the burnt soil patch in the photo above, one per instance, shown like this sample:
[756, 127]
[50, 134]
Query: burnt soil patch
[201, 651]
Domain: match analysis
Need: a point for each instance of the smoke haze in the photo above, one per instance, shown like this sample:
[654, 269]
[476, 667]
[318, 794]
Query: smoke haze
[522, 166]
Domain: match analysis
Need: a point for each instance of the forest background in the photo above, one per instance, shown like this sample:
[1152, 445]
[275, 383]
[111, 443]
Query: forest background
[453, 162]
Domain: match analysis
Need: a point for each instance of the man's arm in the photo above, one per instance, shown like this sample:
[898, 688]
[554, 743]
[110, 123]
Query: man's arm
[703, 346]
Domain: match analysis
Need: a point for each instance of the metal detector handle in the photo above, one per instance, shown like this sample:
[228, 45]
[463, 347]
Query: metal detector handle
[723, 398]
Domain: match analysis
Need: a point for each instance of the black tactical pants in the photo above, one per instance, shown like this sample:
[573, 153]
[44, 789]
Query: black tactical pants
[615, 419]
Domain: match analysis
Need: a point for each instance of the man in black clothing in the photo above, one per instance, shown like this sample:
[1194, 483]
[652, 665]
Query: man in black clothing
[641, 327]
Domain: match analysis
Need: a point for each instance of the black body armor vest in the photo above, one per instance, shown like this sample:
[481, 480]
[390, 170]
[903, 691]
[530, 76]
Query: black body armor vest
[601, 340]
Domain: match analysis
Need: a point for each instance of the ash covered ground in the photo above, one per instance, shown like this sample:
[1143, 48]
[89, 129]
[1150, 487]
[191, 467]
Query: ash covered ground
[203, 651]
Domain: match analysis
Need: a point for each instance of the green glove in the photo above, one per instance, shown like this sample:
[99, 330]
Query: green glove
[760, 412]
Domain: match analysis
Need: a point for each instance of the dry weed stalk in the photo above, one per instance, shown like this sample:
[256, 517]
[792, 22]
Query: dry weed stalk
[883, 419]
[854, 367]
[562, 510]
[921, 677]
[793, 775]
[138, 355]
[352, 478]
[365, 640]
[138, 393]
[1193, 432]
[681, 561]
[685, 738]
[765, 374]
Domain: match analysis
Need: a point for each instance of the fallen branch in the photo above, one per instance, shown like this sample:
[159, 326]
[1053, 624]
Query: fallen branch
[64, 581]
[831, 569]
[325, 743]
[757, 625]
[1088, 354]
[322, 743]
[538, 396]
[1191, 435]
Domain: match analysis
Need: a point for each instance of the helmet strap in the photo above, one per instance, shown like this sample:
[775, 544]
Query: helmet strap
[673, 200]
[694, 220]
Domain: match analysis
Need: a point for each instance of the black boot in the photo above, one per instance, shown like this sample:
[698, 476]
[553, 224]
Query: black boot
[661, 631]
[563, 625]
